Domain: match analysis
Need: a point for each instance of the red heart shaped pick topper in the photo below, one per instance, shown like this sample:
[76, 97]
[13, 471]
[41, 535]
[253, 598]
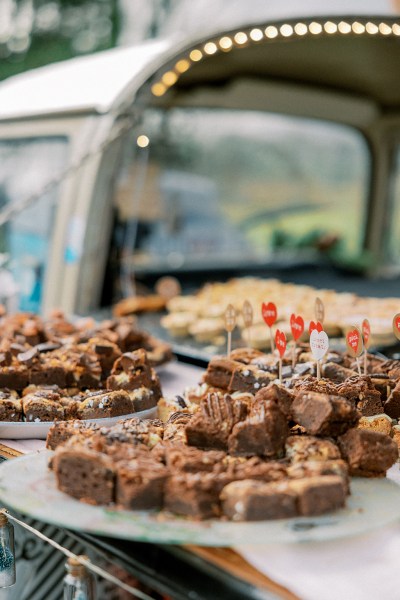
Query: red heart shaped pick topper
[366, 331]
[269, 313]
[316, 326]
[280, 342]
[297, 326]
[353, 342]
[396, 325]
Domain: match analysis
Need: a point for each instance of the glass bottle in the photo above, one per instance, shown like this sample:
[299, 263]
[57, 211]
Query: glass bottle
[7, 554]
[78, 582]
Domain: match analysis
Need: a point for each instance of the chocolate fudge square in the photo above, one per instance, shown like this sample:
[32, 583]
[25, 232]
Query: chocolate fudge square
[323, 414]
[300, 448]
[130, 372]
[14, 377]
[140, 484]
[312, 384]
[134, 431]
[43, 405]
[99, 405]
[249, 378]
[211, 426]
[10, 406]
[263, 432]
[320, 468]
[62, 431]
[392, 404]
[250, 500]
[219, 372]
[194, 495]
[279, 394]
[337, 373]
[319, 495]
[85, 474]
[188, 459]
[362, 392]
[368, 453]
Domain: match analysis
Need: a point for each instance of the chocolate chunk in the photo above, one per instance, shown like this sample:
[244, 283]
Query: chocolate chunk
[322, 414]
[28, 356]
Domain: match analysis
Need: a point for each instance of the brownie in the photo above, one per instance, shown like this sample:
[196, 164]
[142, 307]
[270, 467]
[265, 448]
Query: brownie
[279, 394]
[263, 432]
[130, 372]
[134, 431]
[249, 378]
[62, 431]
[189, 459]
[312, 384]
[43, 405]
[85, 474]
[211, 426]
[383, 384]
[219, 372]
[99, 405]
[364, 395]
[174, 428]
[250, 500]
[392, 404]
[253, 468]
[323, 414]
[381, 423]
[368, 453]
[140, 483]
[107, 353]
[300, 448]
[14, 376]
[319, 494]
[10, 406]
[320, 468]
[335, 372]
[246, 355]
[195, 494]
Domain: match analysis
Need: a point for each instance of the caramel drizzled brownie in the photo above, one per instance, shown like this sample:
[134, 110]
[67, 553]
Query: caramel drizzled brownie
[43, 405]
[363, 393]
[211, 426]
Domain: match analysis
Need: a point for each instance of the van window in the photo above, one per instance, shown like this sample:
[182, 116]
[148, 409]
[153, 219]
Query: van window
[27, 166]
[221, 188]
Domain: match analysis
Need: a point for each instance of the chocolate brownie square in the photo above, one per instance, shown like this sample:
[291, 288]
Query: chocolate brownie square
[323, 414]
[312, 384]
[43, 405]
[140, 483]
[336, 373]
[319, 495]
[188, 459]
[211, 426]
[62, 431]
[195, 494]
[368, 453]
[263, 432]
[250, 500]
[300, 448]
[392, 404]
[219, 372]
[10, 406]
[85, 474]
[279, 394]
[130, 372]
[364, 395]
[174, 429]
[249, 378]
[99, 405]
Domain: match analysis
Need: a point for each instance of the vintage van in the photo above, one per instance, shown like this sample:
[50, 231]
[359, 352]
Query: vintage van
[271, 148]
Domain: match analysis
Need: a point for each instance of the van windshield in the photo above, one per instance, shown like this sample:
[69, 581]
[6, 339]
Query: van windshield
[27, 166]
[222, 188]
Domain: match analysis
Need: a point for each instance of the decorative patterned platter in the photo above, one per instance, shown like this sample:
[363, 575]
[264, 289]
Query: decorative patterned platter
[23, 430]
[27, 486]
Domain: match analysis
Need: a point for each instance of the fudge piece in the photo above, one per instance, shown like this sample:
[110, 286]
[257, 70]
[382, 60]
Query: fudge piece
[140, 483]
[250, 500]
[131, 371]
[300, 448]
[189, 459]
[335, 372]
[99, 405]
[263, 432]
[249, 378]
[84, 474]
[368, 453]
[10, 406]
[318, 495]
[13, 374]
[322, 414]
[278, 393]
[50, 370]
[107, 353]
[392, 404]
[361, 391]
[195, 494]
[62, 431]
[312, 384]
[43, 405]
[219, 372]
[381, 423]
[211, 426]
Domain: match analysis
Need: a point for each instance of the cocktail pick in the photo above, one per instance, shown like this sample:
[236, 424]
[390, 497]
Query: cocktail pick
[319, 310]
[230, 323]
[280, 344]
[366, 331]
[354, 344]
[297, 327]
[319, 344]
[247, 311]
[269, 314]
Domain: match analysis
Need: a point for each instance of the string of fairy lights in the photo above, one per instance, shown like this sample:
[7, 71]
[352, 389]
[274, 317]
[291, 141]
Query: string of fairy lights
[257, 35]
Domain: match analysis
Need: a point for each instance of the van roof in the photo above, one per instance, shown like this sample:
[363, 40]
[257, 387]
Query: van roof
[90, 83]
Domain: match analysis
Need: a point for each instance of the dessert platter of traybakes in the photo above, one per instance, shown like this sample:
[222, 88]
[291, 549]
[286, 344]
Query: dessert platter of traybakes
[285, 445]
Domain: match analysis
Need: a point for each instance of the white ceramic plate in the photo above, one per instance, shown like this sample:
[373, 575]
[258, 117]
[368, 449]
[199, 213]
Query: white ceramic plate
[28, 487]
[23, 430]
